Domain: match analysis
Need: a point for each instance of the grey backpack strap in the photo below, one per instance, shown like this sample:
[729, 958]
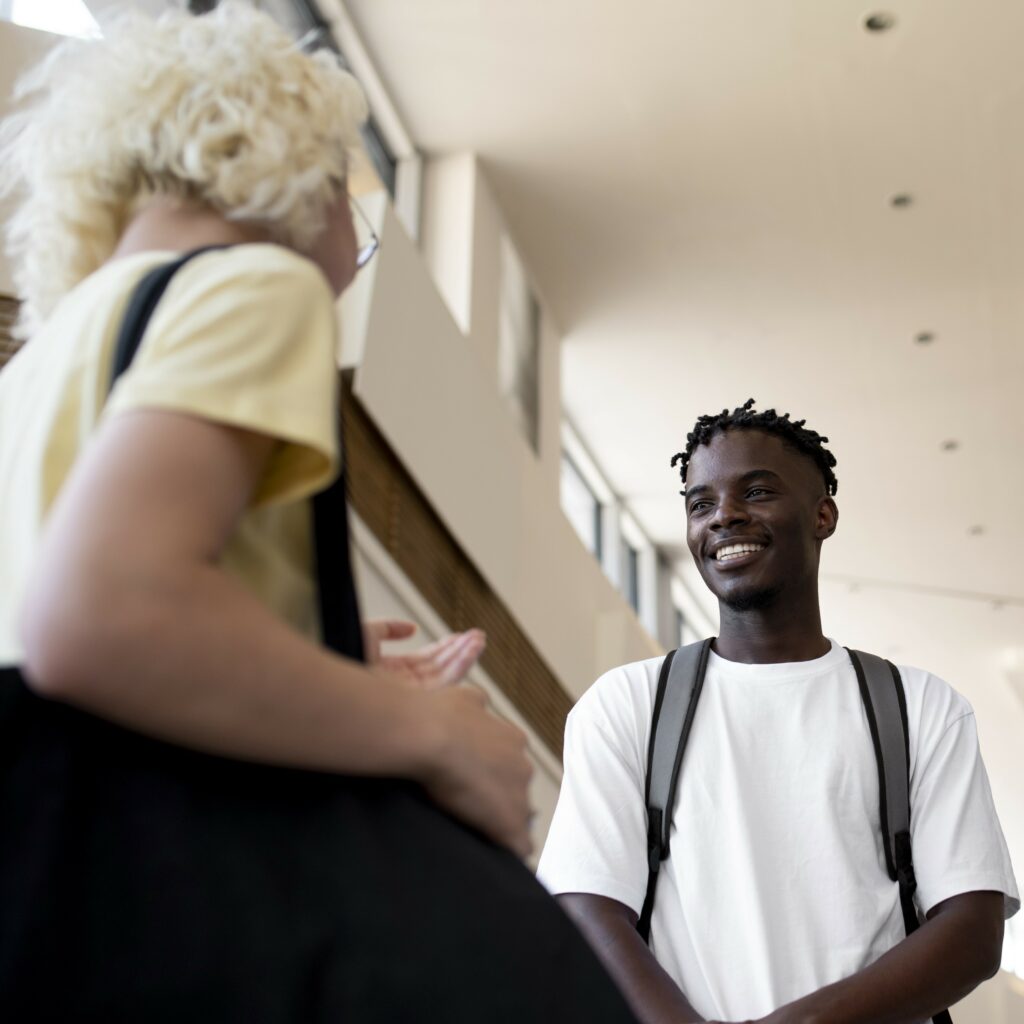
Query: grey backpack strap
[885, 704]
[679, 686]
[881, 691]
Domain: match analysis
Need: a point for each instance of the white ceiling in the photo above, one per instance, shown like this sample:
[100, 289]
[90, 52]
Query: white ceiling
[701, 192]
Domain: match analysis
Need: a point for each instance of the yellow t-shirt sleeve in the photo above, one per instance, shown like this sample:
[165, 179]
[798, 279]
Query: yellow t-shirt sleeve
[247, 337]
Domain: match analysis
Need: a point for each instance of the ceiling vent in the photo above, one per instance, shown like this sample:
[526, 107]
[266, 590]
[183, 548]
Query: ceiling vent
[879, 22]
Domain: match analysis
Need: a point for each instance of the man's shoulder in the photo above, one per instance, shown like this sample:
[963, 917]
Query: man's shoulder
[626, 689]
[930, 694]
[933, 706]
[932, 690]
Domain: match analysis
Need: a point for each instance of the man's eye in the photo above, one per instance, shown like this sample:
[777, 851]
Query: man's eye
[699, 506]
[755, 491]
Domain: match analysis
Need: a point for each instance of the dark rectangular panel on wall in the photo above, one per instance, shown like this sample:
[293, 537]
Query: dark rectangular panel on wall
[387, 499]
[8, 316]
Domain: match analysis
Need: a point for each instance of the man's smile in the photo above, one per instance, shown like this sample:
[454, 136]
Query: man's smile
[736, 553]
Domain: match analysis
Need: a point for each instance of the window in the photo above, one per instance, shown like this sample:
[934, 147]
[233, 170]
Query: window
[519, 344]
[681, 630]
[691, 620]
[581, 507]
[66, 17]
[631, 575]
[314, 33]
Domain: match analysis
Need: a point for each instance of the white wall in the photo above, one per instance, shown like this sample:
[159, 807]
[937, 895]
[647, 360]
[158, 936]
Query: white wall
[433, 391]
[446, 230]
[999, 1001]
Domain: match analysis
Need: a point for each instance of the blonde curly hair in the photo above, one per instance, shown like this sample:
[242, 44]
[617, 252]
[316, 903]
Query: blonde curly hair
[222, 109]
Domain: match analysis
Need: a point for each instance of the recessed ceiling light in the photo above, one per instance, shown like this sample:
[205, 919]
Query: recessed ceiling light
[901, 200]
[977, 530]
[951, 445]
[924, 337]
[879, 22]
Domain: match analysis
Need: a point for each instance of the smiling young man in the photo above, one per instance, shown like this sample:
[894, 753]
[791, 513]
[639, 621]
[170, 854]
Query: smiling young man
[775, 904]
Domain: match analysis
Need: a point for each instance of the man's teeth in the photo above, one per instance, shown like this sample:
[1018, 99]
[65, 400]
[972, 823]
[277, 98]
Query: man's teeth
[733, 551]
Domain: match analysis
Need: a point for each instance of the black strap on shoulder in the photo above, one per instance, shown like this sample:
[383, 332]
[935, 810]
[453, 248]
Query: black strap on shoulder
[340, 625]
[885, 705]
[143, 301]
[679, 688]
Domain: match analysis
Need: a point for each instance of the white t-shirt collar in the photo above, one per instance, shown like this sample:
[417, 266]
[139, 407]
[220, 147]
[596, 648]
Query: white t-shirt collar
[783, 671]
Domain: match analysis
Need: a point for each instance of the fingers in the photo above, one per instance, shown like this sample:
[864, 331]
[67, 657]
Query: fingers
[392, 629]
[445, 650]
[376, 631]
[444, 662]
[460, 657]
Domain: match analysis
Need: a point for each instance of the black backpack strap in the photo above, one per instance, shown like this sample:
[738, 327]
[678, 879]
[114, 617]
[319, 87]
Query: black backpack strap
[340, 625]
[143, 301]
[679, 687]
[885, 704]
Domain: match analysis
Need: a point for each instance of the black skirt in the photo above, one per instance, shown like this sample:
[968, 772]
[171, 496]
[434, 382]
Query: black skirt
[143, 882]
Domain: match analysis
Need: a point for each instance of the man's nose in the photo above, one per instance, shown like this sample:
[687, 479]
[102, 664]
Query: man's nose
[729, 512]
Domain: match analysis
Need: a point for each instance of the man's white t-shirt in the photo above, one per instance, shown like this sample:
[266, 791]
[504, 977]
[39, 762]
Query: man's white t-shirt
[776, 882]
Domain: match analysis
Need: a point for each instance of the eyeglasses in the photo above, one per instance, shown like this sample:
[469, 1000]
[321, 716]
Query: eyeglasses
[368, 248]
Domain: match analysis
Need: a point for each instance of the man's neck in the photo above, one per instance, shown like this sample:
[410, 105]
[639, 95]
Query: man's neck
[771, 635]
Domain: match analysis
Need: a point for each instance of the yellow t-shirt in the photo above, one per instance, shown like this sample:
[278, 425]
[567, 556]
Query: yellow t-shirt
[244, 336]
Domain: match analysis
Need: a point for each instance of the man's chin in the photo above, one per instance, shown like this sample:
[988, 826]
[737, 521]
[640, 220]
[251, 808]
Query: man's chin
[752, 599]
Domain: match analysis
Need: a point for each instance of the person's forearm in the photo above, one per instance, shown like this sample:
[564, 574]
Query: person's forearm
[653, 995]
[195, 659]
[926, 973]
[611, 931]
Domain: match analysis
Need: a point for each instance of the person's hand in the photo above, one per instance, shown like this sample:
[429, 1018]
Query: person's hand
[478, 770]
[438, 664]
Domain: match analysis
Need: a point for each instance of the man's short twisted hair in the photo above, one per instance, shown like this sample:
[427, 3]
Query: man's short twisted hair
[790, 432]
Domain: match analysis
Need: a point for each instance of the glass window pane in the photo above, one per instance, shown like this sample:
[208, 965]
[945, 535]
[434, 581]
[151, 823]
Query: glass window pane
[681, 631]
[519, 344]
[632, 576]
[66, 17]
[581, 507]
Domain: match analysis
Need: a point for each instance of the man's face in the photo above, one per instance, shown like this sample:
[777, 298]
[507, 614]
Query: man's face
[756, 514]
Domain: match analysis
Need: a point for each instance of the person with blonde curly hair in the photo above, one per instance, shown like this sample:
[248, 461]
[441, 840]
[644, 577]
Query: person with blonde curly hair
[218, 800]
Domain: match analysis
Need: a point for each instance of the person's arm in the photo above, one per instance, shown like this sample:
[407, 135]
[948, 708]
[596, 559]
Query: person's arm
[956, 949]
[610, 928]
[131, 617]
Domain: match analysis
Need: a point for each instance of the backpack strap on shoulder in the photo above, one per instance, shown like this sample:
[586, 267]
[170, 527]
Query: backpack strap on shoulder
[679, 687]
[141, 304]
[885, 704]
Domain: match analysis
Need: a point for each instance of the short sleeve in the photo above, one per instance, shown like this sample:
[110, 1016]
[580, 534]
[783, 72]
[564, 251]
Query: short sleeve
[246, 337]
[958, 843]
[597, 842]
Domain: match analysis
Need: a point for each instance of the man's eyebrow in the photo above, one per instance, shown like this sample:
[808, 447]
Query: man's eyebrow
[756, 474]
[698, 489]
[744, 478]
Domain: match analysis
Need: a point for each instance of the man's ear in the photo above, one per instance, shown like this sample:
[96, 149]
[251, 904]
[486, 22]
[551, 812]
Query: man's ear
[828, 518]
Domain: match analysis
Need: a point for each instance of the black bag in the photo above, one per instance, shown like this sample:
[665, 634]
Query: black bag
[144, 882]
